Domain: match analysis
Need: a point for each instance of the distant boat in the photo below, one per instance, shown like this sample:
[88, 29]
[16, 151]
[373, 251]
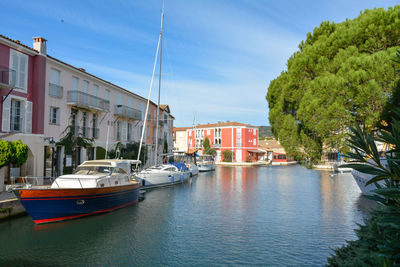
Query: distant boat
[337, 167]
[97, 186]
[163, 175]
[206, 163]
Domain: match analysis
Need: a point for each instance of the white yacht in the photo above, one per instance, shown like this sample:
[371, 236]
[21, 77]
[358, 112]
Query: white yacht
[206, 163]
[362, 178]
[163, 175]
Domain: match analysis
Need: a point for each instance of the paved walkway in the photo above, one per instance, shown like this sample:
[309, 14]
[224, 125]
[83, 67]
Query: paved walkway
[6, 195]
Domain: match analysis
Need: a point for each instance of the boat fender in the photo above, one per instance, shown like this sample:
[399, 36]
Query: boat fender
[191, 174]
[172, 178]
[80, 202]
[181, 177]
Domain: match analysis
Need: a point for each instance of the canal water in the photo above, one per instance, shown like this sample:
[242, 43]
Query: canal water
[234, 216]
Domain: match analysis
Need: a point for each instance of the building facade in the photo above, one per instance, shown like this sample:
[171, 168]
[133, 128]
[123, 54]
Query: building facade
[22, 96]
[43, 99]
[241, 139]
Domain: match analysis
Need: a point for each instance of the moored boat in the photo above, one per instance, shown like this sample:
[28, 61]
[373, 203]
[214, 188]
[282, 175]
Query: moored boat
[163, 175]
[206, 163]
[97, 186]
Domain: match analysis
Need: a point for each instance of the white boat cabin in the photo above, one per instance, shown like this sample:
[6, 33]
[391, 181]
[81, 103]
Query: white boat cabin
[99, 173]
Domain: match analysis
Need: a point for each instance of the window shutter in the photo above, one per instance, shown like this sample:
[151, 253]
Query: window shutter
[5, 125]
[14, 67]
[23, 117]
[23, 67]
[124, 130]
[57, 116]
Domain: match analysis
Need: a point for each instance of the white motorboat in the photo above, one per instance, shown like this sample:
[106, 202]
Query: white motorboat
[163, 175]
[337, 167]
[194, 170]
[362, 178]
[206, 163]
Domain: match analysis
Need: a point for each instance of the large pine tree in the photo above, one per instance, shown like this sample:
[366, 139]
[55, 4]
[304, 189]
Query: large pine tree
[342, 73]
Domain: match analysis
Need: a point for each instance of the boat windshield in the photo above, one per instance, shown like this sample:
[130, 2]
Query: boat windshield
[94, 170]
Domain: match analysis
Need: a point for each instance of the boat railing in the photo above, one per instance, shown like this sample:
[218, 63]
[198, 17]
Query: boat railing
[29, 182]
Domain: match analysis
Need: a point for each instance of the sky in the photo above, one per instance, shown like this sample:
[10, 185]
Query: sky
[218, 58]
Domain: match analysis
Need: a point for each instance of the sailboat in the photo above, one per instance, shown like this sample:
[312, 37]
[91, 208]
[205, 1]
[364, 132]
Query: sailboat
[164, 174]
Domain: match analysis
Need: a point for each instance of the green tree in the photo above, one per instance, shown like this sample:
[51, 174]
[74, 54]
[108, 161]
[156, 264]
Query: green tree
[343, 73]
[5, 153]
[19, 153]
[206, 144]
[227, 155]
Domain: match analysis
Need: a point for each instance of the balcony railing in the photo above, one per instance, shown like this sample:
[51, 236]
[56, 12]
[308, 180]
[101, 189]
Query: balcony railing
[55, 90]
[78, 98]
[127, 112]
[85, 131]
[7, 78]
[216, 145]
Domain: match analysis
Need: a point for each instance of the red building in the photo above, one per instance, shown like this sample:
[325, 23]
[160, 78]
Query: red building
[241, 139]
[22, 94]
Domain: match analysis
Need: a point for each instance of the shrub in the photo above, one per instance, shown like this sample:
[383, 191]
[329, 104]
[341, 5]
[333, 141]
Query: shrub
[5, 152]
[227, 155]
[19, 153]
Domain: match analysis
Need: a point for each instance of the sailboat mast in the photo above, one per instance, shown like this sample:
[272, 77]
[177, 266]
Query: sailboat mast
[159, 89]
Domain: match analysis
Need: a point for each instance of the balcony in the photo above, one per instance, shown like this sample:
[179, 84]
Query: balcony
[127, 112]
[84, 100]
[216, 145]
[7, 78]
[85, 132]
[55, 90]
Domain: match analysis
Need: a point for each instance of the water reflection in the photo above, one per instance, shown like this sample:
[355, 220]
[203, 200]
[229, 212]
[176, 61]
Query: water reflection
[233, 216]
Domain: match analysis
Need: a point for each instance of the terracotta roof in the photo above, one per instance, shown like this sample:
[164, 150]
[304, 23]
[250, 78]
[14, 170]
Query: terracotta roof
[18, 43]
[271, 145]
[222, 124]
[176, 129]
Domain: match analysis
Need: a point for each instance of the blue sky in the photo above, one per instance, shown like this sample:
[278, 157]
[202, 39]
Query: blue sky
[218, 58]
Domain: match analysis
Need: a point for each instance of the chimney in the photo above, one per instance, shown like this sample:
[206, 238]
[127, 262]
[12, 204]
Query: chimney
[39, 44]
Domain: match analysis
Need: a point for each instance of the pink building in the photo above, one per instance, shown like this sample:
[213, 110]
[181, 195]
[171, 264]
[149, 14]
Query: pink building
[241, 139]
[22, 89]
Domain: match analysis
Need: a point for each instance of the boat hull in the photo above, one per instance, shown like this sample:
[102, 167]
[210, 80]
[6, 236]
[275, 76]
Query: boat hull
[52, 205]
[151, 180]
[206, 167]
[361, 180]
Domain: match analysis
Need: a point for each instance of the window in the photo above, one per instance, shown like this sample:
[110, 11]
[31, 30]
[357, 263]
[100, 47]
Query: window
[55, 76]
[19, 65]
[94, 126]
[254, 132]
[190, 133]
[84, 124]
[54, 115]
[85, 86]
[75, 83]
[85, 90]
[118, 131]
[119, 99]
[129, 131]
[16, 116]
[208, 131]
[254, 141]
[107, 94]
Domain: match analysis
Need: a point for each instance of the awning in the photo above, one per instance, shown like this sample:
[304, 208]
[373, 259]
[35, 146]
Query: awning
[256, 151]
